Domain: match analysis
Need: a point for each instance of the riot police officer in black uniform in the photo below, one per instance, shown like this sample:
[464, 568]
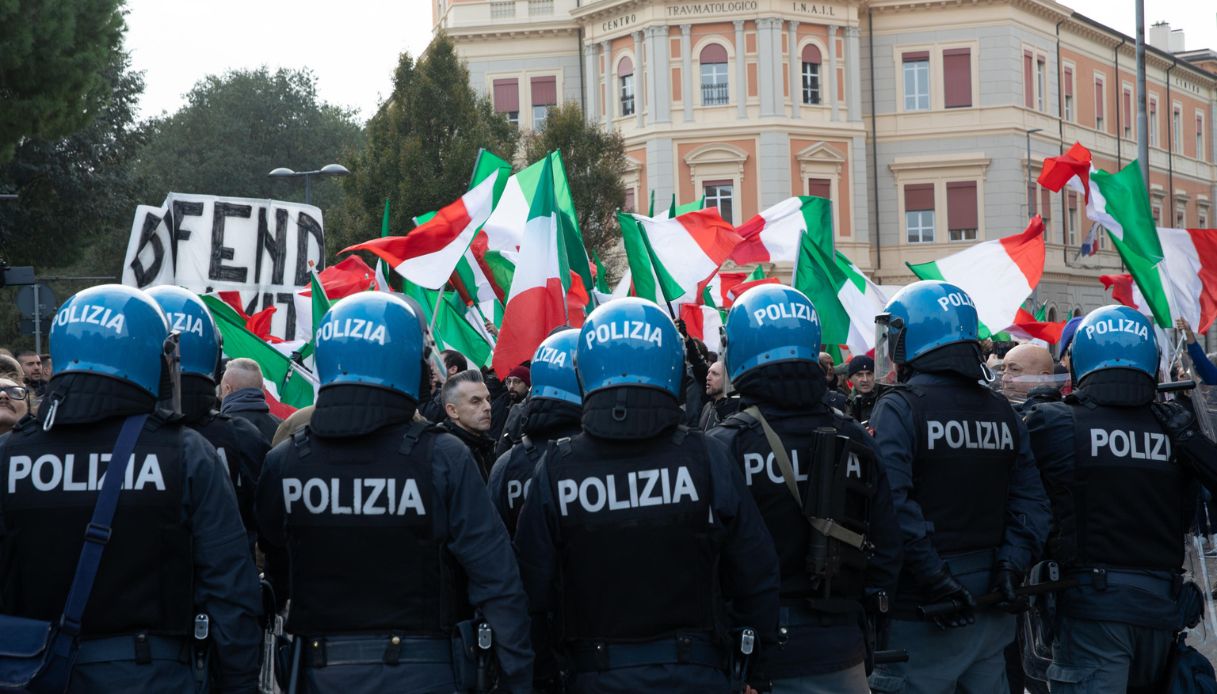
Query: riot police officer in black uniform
[968, 496]
[237, 441]
[1121, 471]
[772, 335]
[391, 539]
[638, 533]
[176, 557]
[552, 412]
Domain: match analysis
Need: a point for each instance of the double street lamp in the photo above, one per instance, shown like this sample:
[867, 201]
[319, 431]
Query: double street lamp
[327, 170]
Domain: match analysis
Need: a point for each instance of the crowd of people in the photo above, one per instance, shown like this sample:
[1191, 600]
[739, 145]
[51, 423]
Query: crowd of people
[628, 511]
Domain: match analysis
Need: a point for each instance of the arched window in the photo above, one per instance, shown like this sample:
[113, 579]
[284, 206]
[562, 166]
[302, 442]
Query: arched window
[811, 74]
[625, 74]
[713, 61]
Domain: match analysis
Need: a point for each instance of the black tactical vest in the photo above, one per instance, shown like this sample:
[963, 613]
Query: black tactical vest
[517, 478]
[1131, 498]
[638, 540]
[363, 549]
[967, 444]
[856, 485]
[220, 433]
[50, 485]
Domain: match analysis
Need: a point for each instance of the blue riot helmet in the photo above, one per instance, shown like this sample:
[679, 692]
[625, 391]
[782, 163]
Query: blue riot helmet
[1114, 337]
[371, 339]
[553, 368]
[629, 342]
[919, 319]
[188, 316]
[111, 330]
[770, 323]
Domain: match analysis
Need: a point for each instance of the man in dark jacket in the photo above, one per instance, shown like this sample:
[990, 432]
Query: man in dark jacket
[241, 396]
[861, 375]
[467, 404]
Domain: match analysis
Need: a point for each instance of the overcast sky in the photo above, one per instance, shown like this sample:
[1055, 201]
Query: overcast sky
[353, 45]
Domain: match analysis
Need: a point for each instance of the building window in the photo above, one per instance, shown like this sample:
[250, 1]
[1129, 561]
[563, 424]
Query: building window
[1202, 217]
[961, 211]
[1100, 101]
[507, 99]
[820, 188]
[1071, 220]
[540, 8]
[919, 212]
[957, 77]
[720, 194]
[1181, 216]
[1153, 122]
[1068, 78]
[1200, 138]
[1046, 206]
[1041, 83]
[811, 74]
[917, 81]
[1177, 131]
[544, 97]
[1031, 203]
[625, 72]
[502, 9]
[628, 206]
[1028, 77]
[1128, 112]
[714, 75]
[1157, 215]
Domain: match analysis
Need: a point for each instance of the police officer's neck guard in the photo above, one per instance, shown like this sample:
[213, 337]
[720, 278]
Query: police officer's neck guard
[83, 398]
[547, 418]
[1117, 388]
[961, 359]
[345, 410]
[795, 385]
[198, 398]
[630, 412]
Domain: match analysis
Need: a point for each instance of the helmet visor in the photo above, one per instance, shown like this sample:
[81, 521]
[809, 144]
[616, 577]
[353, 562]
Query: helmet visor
[887, 331]
[1018, 388]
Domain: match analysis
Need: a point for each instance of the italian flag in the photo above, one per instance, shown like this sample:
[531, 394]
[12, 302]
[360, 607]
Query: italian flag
[288, 386]
[1184, 283]
[676, 210]
[672, 259]
[1030, 327]
[999, 275]
[720, 290]
[845, 299]
[705, 324]
[428, 254]
[536, 303]
[775, 235]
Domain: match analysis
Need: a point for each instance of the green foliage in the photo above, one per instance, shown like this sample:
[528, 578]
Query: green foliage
[595, 163]
[54, 58]
[238, 126]
[420, 146]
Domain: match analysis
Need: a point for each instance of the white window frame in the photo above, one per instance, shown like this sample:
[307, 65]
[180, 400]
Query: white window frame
[916, 99]
[805, 85]
[1068, 107]
[1041, 83]
[1100, 122]
[924, 225]
[1151, 111]
[1177, 127]
[621, 94]
[718, 70]
[1200, 137]
[713, 202]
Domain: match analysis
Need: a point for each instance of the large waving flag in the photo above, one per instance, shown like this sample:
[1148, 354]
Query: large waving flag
[537, 301]
[845, 299]
[999, 275]
[428, 254]
[775, 235]
[672, 259]
[1184, 283]
[705, 324]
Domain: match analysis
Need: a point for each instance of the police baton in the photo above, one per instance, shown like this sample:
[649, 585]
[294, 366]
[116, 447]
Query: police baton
[939, 609]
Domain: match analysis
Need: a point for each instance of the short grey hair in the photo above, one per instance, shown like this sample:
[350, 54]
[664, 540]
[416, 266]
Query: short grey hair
[448, 393]
[243, 373]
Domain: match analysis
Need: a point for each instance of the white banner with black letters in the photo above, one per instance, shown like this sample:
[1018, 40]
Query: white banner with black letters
[205, 243]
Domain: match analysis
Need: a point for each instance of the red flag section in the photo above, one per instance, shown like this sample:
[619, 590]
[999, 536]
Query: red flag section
[1121, 287]
[738, 290]
[259, 323]
[1058, 170]
[1048, 332]
[348, 277]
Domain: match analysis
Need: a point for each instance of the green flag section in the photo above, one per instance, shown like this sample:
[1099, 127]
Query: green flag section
[386, 278]
[451, 326]
[675, 210]
[845, 299]
[321, 303]
[1120, 203]
[651, 279]
[285, 383]
[602, 284]
[998, 275]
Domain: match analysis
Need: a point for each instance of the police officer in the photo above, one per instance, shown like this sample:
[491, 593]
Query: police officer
[646, 526]
[772, 332]
[551, 412]
[967, 493]
[237, 441]
[1121, 472]
[392, 542]
[177, 553]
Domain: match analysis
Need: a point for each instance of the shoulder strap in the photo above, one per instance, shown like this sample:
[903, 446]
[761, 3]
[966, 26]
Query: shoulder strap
[779, 452]
[300, 441]
[412, 435]
[97, 534]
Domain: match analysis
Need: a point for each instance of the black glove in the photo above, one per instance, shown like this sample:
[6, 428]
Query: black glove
[1178, 420]
[1005, 580]
[943, 588]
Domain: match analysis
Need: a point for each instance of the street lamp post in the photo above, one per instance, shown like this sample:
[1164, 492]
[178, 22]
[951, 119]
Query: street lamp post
[1030, 189]
[327, 170]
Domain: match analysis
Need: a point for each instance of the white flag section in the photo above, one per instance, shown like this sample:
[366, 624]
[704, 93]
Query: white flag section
[260, 248]
[862, 305]
[505, 227]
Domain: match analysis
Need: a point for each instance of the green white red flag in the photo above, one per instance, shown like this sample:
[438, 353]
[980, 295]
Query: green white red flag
[673, 259]
[775, 235]
[845, 299]
[704, 323]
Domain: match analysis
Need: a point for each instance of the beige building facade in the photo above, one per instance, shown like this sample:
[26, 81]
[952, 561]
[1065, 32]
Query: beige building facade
[914, 117]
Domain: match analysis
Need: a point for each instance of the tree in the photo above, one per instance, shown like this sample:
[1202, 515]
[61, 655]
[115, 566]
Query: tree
[54, 58]
[595, 162]
[421, 146]
[238, 126]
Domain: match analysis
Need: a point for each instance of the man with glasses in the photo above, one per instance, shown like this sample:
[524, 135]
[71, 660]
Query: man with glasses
[14, 404]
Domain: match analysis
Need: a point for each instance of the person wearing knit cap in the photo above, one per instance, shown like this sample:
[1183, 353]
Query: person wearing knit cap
[861, 375]
[517, 384]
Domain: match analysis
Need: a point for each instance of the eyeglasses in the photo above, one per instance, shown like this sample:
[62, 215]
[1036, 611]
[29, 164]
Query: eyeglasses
[15, 392]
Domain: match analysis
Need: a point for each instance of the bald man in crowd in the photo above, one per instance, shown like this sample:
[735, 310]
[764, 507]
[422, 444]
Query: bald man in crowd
[1027, 376]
